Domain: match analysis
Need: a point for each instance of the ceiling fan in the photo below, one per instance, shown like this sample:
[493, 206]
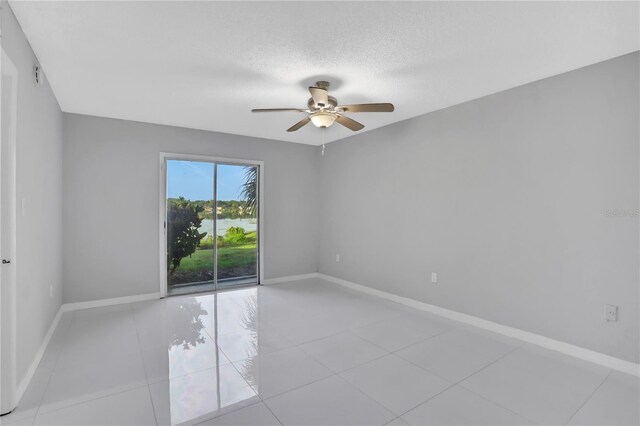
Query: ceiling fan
[323, 110]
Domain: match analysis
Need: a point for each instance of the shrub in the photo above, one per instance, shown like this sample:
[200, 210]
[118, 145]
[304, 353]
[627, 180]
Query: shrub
[234, 235]
[183, 221]
[207, 242]
[250, 237]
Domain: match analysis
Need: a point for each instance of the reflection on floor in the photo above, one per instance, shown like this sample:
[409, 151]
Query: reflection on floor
[306, 353]
[204, 286]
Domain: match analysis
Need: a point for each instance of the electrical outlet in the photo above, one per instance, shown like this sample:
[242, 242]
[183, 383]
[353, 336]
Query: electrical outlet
[338, 258]
[434, 277]
[610, 312]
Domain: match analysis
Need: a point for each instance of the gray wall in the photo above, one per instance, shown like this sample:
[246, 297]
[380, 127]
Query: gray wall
[111, 213]
[505, 198]
[39, 183]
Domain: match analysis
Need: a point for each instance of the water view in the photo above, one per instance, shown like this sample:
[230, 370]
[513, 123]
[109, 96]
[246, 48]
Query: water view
[194, 254]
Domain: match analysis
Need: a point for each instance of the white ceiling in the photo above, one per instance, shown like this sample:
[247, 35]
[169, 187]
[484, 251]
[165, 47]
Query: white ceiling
[204, 65]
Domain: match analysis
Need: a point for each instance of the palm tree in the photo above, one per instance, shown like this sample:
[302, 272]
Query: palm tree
[250, 189]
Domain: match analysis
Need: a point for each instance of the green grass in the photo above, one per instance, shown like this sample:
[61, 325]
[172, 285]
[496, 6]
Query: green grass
[228, 257]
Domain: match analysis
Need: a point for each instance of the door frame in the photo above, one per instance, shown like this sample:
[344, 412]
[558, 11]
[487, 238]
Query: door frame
[8, 299]
[164, 156]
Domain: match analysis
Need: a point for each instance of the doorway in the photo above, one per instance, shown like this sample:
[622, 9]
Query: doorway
[211, 223]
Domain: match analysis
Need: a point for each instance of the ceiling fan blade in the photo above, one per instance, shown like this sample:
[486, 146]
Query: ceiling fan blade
[299, 124]
[277, 109]
[349, 123]
[320, 96]
[386, 107]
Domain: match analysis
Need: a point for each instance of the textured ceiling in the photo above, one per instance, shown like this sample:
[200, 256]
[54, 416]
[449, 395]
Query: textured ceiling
[204, 65]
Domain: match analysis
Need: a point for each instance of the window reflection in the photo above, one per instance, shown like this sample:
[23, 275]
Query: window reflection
[202, 379]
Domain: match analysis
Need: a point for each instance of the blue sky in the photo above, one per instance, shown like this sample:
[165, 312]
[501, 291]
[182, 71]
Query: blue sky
[194, 180]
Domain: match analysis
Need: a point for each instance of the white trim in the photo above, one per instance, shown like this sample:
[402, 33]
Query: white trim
[8, 299]
[24, 383]
[558, 346]
[526, 336]
[67, 307]
[288, 278]
[162, 217]
[76, 306]
[164, 156]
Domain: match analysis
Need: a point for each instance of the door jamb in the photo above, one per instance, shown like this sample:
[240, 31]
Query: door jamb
[10, 291]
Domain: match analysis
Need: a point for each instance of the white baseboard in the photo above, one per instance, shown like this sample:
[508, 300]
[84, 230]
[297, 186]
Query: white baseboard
[107, 302]
[526, 336]
[288, 278]
[24, 383]
[67, 307]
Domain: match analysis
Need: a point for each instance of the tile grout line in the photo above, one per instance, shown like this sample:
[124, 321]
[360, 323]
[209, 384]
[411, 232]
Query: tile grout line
[252, 388]
[264, 400]
[55, 364]
[394, 353]
[271, 411]
[64, 407]
[409, 345]
[352, 385]
[401, 358]
[487, 399]
[232, 363]
[300, 347]
[144, 365]
[201, 419]
[131, 311]
[42, 397]
[350, 330]
[378, 402]
[465, 378]
[590, 396]
[378, 321]
[447, 379]
[92, 399]
[368, 397]
[248, 384]
[350, 368]
[153, 406]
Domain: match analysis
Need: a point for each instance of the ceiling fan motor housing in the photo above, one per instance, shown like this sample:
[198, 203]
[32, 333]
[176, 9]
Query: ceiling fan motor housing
[333, 102]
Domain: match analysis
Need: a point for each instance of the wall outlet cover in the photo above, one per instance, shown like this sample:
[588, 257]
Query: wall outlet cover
[611, 312]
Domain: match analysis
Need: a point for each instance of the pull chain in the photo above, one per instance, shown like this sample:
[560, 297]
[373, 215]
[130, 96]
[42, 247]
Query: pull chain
[323, 141]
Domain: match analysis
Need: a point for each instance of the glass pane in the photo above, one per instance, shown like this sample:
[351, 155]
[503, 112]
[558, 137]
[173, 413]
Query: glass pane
[190, 239]
[237, 224]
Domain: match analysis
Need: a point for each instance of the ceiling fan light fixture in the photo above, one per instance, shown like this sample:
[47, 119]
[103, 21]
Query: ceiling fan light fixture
[323, 119]
[323, 110]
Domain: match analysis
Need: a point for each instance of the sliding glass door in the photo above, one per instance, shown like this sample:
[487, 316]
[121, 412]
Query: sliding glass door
[211, 225]
[236, 224]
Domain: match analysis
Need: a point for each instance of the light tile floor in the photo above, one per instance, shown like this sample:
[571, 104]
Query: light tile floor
[302, 353]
